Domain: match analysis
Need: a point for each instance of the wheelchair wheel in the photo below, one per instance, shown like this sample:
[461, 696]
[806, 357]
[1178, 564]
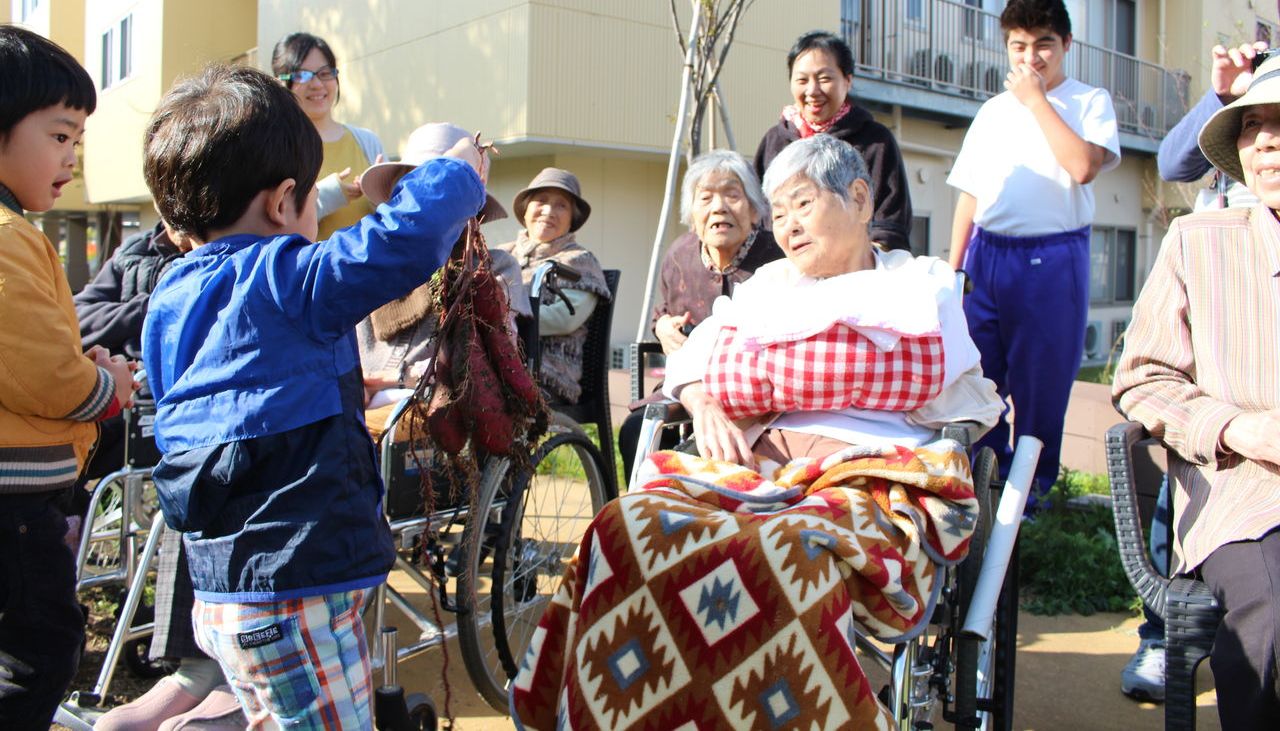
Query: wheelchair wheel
[985, 670]
[984, 470]
[525, 531]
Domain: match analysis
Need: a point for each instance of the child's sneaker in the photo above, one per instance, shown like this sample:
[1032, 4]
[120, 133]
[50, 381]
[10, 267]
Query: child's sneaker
[1143, 677]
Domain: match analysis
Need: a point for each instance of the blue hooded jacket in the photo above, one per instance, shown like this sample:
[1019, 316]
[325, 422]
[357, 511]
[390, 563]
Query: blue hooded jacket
[250, 352]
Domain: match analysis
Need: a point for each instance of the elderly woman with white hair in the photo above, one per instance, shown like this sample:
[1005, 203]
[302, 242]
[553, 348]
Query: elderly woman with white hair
[725, 589]
[722, 204]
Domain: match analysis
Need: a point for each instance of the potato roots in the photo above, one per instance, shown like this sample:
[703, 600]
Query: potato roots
[482, 394]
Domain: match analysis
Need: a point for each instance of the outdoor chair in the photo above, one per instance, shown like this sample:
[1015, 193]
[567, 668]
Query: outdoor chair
[593, 405]
[1190, 612]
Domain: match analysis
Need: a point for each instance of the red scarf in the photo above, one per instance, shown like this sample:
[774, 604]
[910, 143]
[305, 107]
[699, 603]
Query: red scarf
[791, 113]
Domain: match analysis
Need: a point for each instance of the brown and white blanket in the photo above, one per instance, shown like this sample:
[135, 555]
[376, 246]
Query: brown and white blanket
[712, 596]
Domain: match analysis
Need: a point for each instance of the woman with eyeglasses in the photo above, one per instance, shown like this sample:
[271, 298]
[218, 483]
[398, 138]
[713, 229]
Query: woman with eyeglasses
[307, 66]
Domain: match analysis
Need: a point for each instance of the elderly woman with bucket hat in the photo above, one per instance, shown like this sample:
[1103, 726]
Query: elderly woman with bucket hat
[552, 210]
[393, 340]
[1201, 371]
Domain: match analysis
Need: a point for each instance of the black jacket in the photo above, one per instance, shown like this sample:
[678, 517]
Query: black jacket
[112, 306]
[891, 224]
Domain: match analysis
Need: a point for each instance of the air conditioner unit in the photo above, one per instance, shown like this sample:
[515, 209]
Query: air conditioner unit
[1148, 117]
[993, 80]
[943, 70]
[1093, 344]
[1118, 328]
[921, 64]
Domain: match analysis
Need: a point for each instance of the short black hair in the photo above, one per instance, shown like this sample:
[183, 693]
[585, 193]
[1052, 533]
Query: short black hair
[35, 74]
[294, 48]
[220, 138]
[1029, 14]
[821, 40]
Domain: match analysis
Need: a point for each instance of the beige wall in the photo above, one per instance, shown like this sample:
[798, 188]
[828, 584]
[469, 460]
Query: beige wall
[172, 38]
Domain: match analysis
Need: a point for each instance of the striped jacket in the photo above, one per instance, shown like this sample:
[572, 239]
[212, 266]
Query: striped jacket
[1203, 347]
[50, 394]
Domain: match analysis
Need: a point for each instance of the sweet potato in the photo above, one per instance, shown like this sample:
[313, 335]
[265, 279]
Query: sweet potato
[489, 299]
[443, 421]
[505, 357]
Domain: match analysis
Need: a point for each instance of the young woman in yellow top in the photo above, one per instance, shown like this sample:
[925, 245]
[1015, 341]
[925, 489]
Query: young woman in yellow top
[306, 65]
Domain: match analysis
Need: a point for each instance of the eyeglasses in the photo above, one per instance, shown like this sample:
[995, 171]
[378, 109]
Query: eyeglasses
[303, 76]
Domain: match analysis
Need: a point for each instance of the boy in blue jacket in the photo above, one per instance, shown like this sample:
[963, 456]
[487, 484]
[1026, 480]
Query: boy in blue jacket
[251, 355]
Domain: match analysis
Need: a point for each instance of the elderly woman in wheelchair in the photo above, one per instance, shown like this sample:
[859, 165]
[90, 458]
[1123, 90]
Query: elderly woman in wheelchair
[726, 588]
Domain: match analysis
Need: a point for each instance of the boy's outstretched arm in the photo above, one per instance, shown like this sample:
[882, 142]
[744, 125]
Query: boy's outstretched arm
[331, 286]
[1082, 160]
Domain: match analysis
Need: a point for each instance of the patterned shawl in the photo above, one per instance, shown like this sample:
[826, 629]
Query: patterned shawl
[561, 354]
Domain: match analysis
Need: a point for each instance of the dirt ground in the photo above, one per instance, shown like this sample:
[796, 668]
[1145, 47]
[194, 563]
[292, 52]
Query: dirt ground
[1068, 677]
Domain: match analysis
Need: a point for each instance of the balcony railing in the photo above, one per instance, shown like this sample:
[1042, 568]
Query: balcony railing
[952, 48]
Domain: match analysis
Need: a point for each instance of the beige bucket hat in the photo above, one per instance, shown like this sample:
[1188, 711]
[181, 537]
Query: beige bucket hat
[1218, 137]
[426, 142]
[560, 180]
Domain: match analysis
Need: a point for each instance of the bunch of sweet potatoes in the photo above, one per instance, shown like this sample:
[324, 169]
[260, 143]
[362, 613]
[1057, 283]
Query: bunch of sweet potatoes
[482, 392]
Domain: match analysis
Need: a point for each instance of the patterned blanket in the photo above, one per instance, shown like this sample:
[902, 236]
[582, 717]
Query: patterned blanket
[712, 596]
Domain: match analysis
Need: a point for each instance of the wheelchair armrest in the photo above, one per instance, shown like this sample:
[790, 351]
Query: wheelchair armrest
[1150, 585]
[669, 412]
[640, 353]
[960, 432]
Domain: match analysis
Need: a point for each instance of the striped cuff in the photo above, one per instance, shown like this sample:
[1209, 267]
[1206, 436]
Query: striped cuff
[1204, 431]
[37, 469]
[99, 399]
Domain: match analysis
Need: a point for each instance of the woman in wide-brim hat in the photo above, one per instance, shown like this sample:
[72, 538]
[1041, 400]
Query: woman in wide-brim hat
[395, 340]
[552, 209]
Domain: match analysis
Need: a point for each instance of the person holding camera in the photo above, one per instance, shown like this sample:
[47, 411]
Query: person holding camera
[1179, 157]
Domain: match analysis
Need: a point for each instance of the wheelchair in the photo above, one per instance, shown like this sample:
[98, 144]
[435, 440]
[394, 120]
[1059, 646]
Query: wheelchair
[960, 669]
[119, 541]
[503, 551]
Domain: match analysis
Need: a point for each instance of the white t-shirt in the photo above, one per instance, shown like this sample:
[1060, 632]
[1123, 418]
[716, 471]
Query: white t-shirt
[1007, 165]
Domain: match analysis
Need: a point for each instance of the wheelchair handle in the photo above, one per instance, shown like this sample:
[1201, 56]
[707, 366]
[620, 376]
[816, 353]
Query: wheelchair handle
[1004, 534]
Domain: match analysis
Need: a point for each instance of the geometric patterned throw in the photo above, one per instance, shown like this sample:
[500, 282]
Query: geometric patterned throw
[713, 596]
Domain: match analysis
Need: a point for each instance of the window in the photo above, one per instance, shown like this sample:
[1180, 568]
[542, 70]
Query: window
[918, 240]
[117, 52]
[915, 10]
[126, 47]
[1112, 265]
[29, 7]
[106, 57]
[974, 20]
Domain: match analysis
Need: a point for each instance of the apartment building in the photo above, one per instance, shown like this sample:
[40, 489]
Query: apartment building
[593, 86]
[134, 50]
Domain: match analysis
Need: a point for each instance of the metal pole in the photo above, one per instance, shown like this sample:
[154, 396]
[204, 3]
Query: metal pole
[673, 168]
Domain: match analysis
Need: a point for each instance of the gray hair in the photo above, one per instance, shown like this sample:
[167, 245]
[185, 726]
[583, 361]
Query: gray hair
[832, 165]
[722, 161]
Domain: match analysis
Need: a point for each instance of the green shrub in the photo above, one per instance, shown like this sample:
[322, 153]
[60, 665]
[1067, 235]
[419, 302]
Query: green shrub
[1069, 560]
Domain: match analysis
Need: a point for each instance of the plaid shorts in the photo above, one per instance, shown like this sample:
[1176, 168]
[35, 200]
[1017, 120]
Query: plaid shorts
[302, 663]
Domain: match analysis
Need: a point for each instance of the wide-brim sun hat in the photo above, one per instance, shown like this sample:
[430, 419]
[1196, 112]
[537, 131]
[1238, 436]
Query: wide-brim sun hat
[1218, 136]
[426, 142]
[560, 180]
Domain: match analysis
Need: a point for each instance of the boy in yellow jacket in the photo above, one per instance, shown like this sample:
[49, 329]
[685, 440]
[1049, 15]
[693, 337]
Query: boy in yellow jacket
[51, 393]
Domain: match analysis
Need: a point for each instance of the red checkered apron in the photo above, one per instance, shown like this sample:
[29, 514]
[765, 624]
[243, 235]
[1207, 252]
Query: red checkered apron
[835, 369]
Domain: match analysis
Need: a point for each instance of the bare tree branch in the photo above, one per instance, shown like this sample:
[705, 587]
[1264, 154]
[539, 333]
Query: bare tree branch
[675, 23]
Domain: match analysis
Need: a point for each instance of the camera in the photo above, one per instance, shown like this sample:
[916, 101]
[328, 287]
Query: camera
[1262, 57]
